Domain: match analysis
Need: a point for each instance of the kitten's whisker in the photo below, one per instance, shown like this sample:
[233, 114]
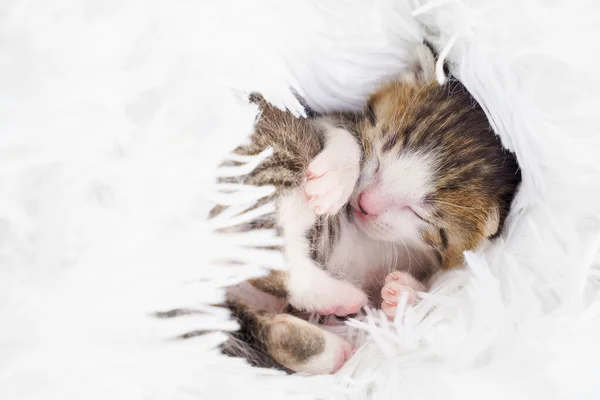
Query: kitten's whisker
[408, 252]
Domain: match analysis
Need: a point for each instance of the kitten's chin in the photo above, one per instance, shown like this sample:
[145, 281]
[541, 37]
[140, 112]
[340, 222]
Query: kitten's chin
[371, 226]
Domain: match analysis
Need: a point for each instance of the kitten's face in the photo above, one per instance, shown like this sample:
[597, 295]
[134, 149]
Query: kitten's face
[435, 175]
[389, 201]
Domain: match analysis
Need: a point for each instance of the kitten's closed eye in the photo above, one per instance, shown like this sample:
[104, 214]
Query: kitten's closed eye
[371, 115]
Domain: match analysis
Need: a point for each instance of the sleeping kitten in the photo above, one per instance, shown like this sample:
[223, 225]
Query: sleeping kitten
[370, 205]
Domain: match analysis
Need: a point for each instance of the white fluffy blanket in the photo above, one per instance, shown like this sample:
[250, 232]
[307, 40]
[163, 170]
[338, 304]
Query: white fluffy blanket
[115, 114]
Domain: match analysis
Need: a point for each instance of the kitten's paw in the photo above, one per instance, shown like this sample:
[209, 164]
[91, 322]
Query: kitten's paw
[331, 359]
[396, 284]
[331, 177]
[335, 353]
[330, 297]
[304, 347]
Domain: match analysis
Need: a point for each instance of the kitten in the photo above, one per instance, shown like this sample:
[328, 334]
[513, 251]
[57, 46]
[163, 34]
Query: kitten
[370, 204]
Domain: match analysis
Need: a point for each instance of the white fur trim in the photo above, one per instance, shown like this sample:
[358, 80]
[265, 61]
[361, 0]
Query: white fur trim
[115, 115]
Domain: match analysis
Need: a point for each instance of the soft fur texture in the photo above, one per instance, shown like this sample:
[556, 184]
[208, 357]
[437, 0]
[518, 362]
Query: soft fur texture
[116, 114]
[412, 205]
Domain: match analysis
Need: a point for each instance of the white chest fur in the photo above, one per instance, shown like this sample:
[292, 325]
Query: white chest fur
[366, 262]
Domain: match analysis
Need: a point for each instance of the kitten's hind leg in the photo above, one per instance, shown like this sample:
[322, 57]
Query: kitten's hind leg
[303, 347]
[311, 288]
[289, 341]
[275, 284]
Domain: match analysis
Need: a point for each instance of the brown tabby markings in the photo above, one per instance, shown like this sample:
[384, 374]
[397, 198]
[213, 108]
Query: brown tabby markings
[294, 142]
[270, 339]
[474, 183]
[284, 338]
[273, 284]
[475, 178]
[292, 341]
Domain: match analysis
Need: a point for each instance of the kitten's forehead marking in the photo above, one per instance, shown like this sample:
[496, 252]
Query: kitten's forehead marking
[408, 174]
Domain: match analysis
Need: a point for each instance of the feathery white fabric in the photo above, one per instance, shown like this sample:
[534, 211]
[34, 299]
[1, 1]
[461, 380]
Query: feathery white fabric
[115, 116]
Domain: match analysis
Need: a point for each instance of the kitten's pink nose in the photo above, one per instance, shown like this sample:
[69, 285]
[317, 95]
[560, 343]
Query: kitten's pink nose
[374, 202]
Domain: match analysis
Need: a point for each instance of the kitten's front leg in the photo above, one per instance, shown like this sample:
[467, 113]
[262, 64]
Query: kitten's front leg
[331, 178]
[332, 175]
[310, 287]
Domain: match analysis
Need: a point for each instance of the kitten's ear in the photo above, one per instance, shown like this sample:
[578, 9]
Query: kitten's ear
[491, 227]
[422, 65]
[310, 113]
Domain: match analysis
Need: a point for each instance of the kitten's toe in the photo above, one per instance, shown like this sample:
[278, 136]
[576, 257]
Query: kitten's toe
[327, 194]
[391, 294]
[323, 194]
[393, 291]
[329, 184]
[389, 309]
[318, 167]
[404, 278]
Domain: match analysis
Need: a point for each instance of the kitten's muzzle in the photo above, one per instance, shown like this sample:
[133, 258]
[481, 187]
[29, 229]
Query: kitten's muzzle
[374, 202]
